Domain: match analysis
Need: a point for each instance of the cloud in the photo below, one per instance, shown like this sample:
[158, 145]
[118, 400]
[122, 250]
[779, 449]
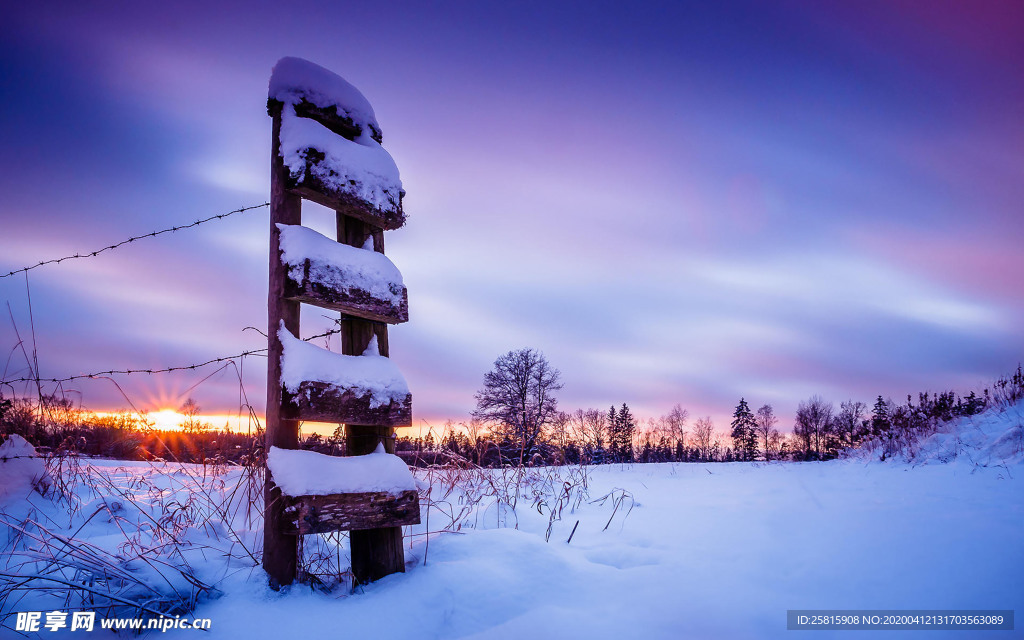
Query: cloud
[713, 207]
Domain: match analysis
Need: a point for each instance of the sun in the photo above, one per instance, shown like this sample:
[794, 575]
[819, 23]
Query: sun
[166, 419]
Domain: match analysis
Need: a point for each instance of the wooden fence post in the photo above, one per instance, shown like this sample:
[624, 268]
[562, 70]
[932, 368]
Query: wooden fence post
[337, 284]
[280, 550]
[375, 552]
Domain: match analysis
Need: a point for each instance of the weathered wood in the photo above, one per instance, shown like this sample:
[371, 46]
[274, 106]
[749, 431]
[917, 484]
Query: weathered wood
[352, 301]
[365, 438]
[329, 117]
[323, 402]
[359, 331]
[352, 512]
[280, 550]
[312, 188]
[375, 552]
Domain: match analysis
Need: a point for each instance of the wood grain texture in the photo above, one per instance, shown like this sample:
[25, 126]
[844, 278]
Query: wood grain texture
[351, 301]
[324, 402]
[352, 512]
[313, 189]
[280, 550]
[375, 552]
[329, 117]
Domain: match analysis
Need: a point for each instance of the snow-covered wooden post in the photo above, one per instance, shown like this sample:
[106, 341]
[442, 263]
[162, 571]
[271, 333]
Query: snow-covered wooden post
[326, 148]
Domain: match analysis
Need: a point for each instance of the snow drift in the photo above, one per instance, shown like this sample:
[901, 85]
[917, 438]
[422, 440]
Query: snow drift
[992, 438]
[21, 471]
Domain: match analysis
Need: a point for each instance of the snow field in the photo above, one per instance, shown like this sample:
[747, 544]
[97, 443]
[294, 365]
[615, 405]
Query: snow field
[670, 550]
[708, 551]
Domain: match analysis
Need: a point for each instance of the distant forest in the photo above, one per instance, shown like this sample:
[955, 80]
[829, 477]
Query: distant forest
[528, 429]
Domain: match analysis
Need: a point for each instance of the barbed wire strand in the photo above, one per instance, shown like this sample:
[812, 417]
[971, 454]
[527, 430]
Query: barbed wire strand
[189, 367]
[151, 234]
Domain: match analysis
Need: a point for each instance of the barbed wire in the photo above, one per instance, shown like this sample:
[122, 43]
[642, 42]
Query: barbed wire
[151, 234]
[189, 367]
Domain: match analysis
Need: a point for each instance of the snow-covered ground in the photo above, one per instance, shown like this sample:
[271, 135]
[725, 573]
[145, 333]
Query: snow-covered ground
[660, 551]
[709, 551]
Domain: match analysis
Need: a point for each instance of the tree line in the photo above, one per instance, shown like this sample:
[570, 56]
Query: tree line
[517, 421]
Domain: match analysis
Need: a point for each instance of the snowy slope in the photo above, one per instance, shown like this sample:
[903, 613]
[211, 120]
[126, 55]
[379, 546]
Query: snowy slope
[990, 438]
[21, 472]
[994, 437]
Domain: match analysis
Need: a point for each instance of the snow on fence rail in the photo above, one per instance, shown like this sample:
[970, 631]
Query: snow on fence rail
[331, 387]
[329, 493]
[358, 281]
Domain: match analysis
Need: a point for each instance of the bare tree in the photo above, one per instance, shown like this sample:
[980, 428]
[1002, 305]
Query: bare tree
[560, 427]
[776, 444]
[190, 412]
[849, 422]
[813, 422]
[475, 432]
[764, 427]
[676, 423]
[703, 432]
[518, 397]
[590, 427]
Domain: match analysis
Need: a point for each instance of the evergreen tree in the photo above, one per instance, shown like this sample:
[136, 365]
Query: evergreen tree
[972, 405]
[743, 434]
[613, 434]
[627, 426]
[880, 421]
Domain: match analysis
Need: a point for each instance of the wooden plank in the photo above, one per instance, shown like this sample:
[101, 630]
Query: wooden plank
[329, 117]
[353, 301]
[375, 552]
[313, 189]
[324, 402]
[352, 512]
[280, 550]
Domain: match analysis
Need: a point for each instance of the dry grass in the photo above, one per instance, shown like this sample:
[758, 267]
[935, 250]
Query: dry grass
[168, 522]
[174, 522]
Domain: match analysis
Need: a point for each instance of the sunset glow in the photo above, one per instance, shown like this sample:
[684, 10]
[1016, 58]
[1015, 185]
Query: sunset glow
[166, 419]
[171, 420]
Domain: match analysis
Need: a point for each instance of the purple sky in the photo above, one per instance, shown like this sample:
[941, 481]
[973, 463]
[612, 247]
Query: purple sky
[675, 204]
